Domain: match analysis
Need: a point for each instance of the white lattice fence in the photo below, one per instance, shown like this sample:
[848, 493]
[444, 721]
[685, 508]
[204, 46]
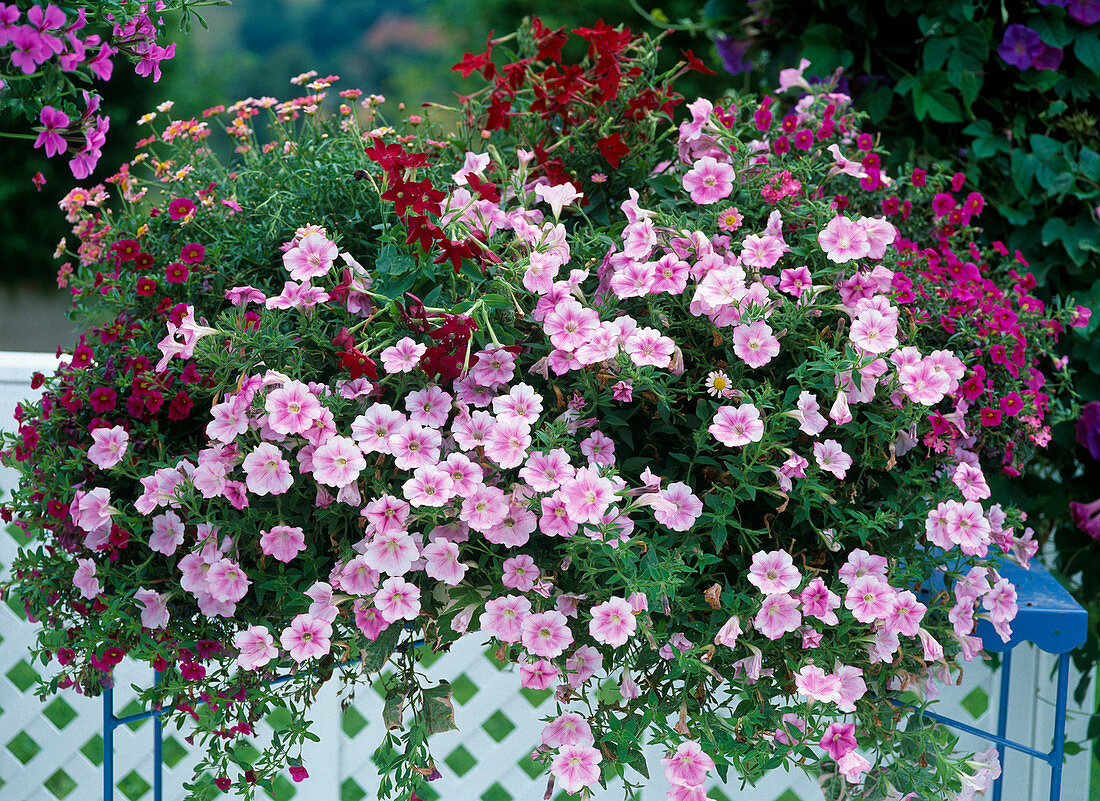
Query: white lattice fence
[52, 750]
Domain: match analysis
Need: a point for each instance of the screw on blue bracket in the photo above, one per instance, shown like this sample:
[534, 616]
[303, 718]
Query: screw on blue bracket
[1048, 617]
[110, 723]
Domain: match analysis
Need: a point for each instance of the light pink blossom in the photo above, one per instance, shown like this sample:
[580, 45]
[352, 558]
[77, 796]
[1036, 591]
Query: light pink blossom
[773, 572]
[709, 181]
[576, 767]
[108, 446]
[256, 647]
[737, 425]
[283, 542]
[613, 622]
[306, 637]
[546, 634]
[398, 599]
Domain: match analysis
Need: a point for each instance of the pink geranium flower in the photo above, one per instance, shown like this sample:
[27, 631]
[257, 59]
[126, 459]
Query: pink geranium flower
[49, 137]
[613, 622]
[306, 637]
[256, 647]
[773, 572]
[283, 542]
[546, 634]
[398, 599]
[737, 425]
[576, 767]
[709, 181]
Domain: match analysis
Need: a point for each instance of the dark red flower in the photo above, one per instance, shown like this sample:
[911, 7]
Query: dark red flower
[612, 148]
[180, 406]
[177, 272]
[298, 773]
[180, 208]
[192, 253]
[357, 364]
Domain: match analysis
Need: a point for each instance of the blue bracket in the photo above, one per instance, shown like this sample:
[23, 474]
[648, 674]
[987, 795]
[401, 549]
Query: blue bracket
[1049, 617]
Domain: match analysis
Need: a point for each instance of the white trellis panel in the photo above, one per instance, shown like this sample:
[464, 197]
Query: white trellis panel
[50, 751]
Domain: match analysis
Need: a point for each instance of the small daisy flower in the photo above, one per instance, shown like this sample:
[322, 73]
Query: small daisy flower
[730, 219]
[718, 383]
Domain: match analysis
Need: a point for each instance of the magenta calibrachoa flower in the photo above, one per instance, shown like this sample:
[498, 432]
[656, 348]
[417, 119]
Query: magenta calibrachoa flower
[657, 447]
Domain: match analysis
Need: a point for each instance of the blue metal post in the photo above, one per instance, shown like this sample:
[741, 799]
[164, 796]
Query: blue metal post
[1059, 727]
[108, 744]
[158, 748]
[1002, 720]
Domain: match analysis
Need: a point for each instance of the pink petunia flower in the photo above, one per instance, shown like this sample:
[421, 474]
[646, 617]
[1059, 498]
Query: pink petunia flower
[109, 446]
[503, 618]
[677, 507]
[773, 572]
[283, 542]
[569, 728]
[168, 532]
[84, 579]
[306, 637]
[372, 429]
[429, 486]
[754, 344]
[256, 647]
[430, 406]
[392, 552]
[546, 634]
[441, 561]
[154, 613]
[830, 456]
[778, 615]
[398, 599]
[709, 181]
[874, 332]
[544, 472]
[587, 495]
[838, 739]
[843, 240]
[538, 675]
[266, 471]
[688, 766]
[226, 581]
[292, 408]
[576, 767]
[815, 684]
[414, 445]
[313, 256]
[508, 442]
[869, 599]
[613, 622]
[402, 357]
[338, 462]
[737, 426]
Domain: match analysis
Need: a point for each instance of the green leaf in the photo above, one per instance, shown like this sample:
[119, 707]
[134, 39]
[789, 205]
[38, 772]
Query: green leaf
[393, 710]
[376, 654]
[439, 711]
[1086, 44]
[1090, 164]
[933, 98]
[1024, 166]
[936, 51]
[1054, 228]
[819, 45]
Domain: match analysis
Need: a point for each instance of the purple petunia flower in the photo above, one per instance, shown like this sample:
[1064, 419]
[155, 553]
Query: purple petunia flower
[732, 53]
[1084, 12]
[1049, 58]
[1020, 46]
[1088, 428]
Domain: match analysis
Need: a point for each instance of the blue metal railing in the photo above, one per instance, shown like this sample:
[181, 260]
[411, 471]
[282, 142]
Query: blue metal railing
[111, 722]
